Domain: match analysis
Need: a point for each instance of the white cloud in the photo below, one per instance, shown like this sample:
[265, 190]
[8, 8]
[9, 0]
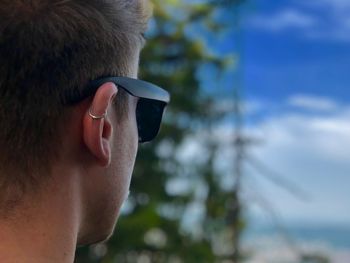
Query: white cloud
[283, 20]
[312, 103]
[341, 5]
[247, 107]
[336, 13]
[253, 107]
[314, 152]
[310, 150]
[315, 19]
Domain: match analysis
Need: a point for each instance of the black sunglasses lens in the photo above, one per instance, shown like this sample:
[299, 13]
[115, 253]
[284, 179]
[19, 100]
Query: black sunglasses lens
[149, 116]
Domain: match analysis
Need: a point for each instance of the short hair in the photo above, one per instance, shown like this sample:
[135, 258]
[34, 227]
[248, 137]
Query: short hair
[49, 48]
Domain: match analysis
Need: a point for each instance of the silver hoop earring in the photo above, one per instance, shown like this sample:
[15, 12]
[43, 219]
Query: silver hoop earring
[96, 117]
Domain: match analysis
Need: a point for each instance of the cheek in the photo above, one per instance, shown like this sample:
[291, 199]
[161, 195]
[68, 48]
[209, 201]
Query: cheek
[132, 124]
[125, 152]
[130, 148]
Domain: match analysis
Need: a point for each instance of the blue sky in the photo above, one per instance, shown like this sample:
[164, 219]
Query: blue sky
[293, 63]
[292, 46]
[296, 62]
[294, 67]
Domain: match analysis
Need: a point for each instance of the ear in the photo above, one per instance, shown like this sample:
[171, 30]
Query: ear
[97, 131]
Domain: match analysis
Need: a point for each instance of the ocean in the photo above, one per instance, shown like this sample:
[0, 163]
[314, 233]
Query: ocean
[269, 244]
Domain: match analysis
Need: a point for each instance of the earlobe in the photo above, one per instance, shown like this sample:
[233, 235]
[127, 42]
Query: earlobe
[97, 127]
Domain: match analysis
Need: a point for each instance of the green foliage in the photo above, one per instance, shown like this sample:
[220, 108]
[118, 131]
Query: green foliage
[153, 227]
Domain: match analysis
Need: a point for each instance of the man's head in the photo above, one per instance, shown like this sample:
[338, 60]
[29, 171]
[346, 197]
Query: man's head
[51, 48]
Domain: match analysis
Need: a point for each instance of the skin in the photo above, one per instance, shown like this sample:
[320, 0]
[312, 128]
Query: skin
[88, 185]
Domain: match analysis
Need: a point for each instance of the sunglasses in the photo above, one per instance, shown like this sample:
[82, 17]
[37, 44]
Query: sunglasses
[150, 106]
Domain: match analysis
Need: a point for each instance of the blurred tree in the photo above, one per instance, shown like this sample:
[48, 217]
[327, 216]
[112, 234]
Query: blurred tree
[159, 222]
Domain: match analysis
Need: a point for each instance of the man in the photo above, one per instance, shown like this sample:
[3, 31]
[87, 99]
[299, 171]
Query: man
[72, 114]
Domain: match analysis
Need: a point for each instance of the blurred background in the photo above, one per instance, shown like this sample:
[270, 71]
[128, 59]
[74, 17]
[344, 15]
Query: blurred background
[252, 163]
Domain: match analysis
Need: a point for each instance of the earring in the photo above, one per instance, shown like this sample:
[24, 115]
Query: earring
[96, 117]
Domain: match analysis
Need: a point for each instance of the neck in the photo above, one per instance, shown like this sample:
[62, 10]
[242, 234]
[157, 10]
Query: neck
[44, 230]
